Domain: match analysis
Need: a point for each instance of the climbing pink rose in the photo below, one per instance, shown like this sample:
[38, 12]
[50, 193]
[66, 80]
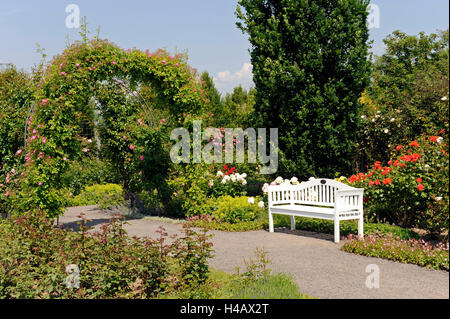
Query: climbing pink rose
[131, 147]
[63, 73]
[142, 157]
[44, 102]
[44, 140]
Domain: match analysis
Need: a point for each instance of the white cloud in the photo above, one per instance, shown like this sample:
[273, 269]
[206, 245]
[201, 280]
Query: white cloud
[225, 81]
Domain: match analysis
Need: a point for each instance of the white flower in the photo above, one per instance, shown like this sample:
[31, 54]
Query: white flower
[439, 139]
[279, 180]
[233, 178]
[444, 98]
[251, 200]
[211, 183]
[244, 175]
[287, 182]
[386, 131]
[224, 181]
[261, 204]
[226, 177]
[373, 120]
[377, 116]
[392, 119]
[219, 174]
[294, 180]
[363, 116]
[438, 198]
[311, 178]
[265, 188]
[89, 141]
[244, 182]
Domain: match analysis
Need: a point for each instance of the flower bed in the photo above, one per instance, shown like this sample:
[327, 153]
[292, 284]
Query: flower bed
[411, 251]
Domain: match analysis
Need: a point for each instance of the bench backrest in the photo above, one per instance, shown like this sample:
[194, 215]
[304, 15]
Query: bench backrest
[319, 192]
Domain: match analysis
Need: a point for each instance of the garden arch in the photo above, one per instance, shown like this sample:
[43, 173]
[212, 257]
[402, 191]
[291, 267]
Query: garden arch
[69, 81]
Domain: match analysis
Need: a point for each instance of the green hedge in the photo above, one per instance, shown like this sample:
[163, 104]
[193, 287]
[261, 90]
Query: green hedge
[106, 196]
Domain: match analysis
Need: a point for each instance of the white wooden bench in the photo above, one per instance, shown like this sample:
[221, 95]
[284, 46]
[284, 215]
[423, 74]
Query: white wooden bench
[320, 198]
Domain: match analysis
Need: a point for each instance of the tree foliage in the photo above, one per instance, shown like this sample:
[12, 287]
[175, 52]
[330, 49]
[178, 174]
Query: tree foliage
[408, 95]
[310, 67]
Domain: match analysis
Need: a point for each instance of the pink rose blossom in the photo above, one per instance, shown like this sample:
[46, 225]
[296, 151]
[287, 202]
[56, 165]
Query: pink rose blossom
[131, 147]
[142, 157]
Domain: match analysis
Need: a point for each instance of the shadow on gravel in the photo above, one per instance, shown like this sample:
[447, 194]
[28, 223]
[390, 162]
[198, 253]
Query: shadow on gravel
[75, 225]
[304, 233]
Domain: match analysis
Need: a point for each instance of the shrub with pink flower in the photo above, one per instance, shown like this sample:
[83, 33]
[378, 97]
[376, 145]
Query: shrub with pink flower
[412, 251]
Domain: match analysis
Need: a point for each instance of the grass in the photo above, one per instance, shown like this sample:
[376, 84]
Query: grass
[275, 286]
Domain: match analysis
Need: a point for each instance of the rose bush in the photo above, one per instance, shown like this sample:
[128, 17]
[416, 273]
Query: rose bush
[413, 188]
[229, 182]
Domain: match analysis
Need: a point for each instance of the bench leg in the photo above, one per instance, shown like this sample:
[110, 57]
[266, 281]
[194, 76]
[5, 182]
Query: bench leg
[336, 230]
[270, 221]
[361, 227]
[292, 222]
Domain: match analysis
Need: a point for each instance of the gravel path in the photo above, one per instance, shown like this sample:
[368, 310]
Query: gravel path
[315, 262]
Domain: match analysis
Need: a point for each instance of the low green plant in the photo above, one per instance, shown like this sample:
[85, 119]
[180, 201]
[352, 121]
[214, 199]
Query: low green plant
[206, 221]
[235, 209]
[410, 251]
[304, 223]
[105, 196]
[257, 282]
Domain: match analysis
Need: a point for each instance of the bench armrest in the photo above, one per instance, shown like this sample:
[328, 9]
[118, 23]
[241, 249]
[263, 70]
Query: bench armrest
[350, 192]
[349, 199]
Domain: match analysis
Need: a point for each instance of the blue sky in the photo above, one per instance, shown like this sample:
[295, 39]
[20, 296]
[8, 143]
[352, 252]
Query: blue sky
[205, 29]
